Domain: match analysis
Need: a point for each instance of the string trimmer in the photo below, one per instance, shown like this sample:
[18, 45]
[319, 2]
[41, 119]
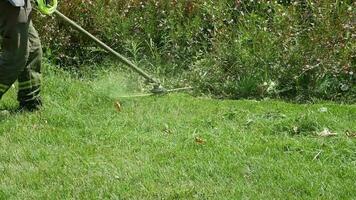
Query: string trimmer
[49, 7]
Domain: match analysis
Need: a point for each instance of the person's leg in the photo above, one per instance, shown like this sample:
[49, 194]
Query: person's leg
[30, 78]
[14, 25]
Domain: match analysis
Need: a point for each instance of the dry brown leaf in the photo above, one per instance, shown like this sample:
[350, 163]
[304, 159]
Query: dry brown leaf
[118, 106]
[327, 133]
[351, 134]
[199, 140]
[167, 130]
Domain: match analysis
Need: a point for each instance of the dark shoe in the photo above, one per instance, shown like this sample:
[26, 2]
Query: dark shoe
[31, 106]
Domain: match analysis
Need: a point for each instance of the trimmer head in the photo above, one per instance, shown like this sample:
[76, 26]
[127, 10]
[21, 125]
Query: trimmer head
[158, 89]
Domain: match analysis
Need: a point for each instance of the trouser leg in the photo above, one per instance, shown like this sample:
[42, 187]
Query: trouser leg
[30, 78]
[14, 26]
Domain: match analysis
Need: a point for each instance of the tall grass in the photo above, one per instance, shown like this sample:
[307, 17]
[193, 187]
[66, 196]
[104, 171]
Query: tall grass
[235, 49]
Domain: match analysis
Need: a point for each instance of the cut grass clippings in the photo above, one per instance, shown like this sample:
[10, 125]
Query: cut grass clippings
[88, 144]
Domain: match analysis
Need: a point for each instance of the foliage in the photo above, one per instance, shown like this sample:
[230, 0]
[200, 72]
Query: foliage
[229, 48]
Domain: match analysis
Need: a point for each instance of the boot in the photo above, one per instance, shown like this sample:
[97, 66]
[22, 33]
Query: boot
[31, 106]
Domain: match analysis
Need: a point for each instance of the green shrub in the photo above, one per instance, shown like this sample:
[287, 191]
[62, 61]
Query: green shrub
[232, 49]
[293, 50]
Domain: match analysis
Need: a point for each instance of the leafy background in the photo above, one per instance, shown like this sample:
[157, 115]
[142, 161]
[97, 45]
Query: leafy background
[300, 50]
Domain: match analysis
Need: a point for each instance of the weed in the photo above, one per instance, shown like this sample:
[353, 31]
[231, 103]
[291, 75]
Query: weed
[231, 49]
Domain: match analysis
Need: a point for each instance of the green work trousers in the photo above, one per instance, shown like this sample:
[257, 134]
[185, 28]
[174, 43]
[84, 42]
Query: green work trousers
[20, 52]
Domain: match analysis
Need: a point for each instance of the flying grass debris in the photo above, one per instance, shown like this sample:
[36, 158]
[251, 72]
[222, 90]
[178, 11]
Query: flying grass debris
[199, 140]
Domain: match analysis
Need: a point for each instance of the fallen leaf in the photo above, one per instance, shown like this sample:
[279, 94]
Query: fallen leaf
[327, 133]
[166, 129]
[118, 106]
[351, 134]
[199, 140]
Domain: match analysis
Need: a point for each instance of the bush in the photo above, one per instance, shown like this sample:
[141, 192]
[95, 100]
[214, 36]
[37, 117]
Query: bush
[283, 50]
[231, 49]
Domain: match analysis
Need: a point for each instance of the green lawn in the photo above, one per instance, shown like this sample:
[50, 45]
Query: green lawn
[172, 147]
